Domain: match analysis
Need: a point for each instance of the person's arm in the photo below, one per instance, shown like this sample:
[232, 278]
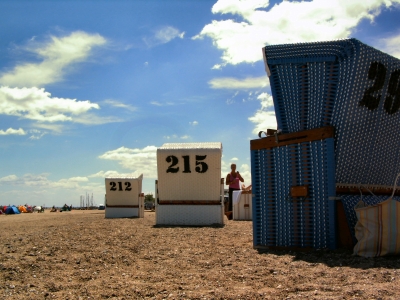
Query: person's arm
[240, 177]
[227, 180]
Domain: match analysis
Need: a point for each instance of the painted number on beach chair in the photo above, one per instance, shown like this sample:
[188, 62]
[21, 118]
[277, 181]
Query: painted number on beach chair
[201, 166]
[372, 95]
[114, 186]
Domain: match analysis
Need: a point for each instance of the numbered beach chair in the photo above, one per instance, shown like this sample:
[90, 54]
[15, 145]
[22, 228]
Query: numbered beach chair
[242, 205]
[124, 197]
[189, 190]
[345, 84]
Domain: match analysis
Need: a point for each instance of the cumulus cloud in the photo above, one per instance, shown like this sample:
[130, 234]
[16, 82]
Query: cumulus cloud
[37, 104]
[56, 56]
[139, 160]
[111, 174]
[241, 40]
[11, 131]
[194, 123]
[244, 169]
[163, 36]
[42, 181]
[392, 45]
[234, 83]
[9, 178]
[264, 118]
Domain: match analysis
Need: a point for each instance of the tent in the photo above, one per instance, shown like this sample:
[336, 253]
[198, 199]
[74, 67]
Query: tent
[22, 209]
[12, 210]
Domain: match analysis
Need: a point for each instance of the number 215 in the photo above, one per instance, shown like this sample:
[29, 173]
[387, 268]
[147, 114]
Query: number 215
[201, 166]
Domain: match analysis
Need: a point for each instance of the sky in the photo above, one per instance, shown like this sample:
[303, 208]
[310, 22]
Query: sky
[91, 89]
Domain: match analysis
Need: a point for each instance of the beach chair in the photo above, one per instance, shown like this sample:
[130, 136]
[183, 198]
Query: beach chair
[189, 189]
[242, 205]
[345, 84]
[124, 197]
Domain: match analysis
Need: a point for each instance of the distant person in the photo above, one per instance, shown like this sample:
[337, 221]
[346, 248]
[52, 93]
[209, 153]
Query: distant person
[233, 180]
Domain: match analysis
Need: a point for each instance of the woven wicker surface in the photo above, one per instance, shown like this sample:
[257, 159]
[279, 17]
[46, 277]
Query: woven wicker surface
[189, 171]
[351, 86]
[280, 220]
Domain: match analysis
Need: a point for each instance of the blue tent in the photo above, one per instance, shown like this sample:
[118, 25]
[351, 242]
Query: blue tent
[12, 210]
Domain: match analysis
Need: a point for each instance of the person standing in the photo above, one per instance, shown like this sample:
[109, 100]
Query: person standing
[233, 180]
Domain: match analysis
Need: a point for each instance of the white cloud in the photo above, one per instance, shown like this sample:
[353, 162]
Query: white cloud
[42, 181]
[118, 104]
[163, 36]
[244, 170]
[231, 100]
[10, 131]
[57, 55]
[111, 174]
[264, 118]
[52, 127]
[174, 136]
[9, 178]
[156, 103]
[138, 160]
[234, 159]
[36, 134]
[37, 104]
[92, 119]
[392, 45]
[285, 22]
[234, 83]
[194, 123]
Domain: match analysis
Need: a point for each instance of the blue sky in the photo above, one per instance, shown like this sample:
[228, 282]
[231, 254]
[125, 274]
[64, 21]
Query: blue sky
[90, 89]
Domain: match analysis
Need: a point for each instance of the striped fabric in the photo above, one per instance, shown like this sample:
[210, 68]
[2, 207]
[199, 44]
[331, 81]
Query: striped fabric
[378, 228]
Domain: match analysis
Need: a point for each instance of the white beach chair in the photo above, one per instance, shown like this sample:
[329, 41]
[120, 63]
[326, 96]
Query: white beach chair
[124, 197]
[189, 189]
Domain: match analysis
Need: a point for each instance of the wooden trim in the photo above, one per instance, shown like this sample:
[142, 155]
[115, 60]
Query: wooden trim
[190, 202]
[293, 138]
[352, 189]
[123, 206]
